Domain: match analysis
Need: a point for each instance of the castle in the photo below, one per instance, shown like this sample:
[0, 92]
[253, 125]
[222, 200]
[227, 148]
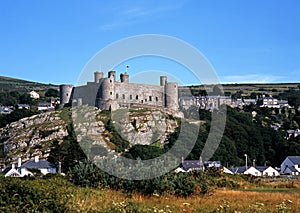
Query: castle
[110, 94]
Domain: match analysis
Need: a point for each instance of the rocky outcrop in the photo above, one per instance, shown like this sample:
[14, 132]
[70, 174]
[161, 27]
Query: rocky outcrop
[32, 136]
[136, 126]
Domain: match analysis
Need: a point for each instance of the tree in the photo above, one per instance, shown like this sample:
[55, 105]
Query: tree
[68, 152]
[52, 93]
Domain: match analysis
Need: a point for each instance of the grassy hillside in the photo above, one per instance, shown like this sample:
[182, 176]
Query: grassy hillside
[270, 89]
[12, 84]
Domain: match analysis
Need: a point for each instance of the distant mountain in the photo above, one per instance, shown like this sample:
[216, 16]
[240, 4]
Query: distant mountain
[10, 84]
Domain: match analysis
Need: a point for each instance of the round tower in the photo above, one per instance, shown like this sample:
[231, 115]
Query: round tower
[171, 100]
[163, 80]
[124, 77]
[65, 94]
[98, 76]
[107, 94]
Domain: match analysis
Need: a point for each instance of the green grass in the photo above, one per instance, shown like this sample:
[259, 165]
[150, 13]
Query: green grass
[9, 84]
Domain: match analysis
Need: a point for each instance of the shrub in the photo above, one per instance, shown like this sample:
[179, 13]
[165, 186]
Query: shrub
[40, 195]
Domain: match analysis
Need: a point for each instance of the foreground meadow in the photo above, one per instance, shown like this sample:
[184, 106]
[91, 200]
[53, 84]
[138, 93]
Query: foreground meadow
[56, 194]
[220, 200]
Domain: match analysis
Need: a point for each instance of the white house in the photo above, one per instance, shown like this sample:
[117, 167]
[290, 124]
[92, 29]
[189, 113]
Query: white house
[253, 171]
[16, 171]
[11, 171]
[267, 171]
[227, 171]
[44, 166]
[24, 169]
[34, 95]
[45, 107]
[216, 164]
[291, 165]
[23, 106]
[6, 109]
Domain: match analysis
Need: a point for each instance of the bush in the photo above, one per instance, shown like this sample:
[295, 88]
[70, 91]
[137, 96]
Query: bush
[40, 195]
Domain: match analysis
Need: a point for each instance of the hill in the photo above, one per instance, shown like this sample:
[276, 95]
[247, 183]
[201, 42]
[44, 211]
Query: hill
[272, 89]
[14, 84]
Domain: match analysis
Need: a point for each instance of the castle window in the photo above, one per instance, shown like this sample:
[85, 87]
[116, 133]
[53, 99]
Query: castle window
[123, 96]
[136, 97]
[150, 98]
[145, 100]
[130, 97]
[117, 96]
[142, 101]
[110, 81]
[67, 94]
[110, 93]
[156, 98]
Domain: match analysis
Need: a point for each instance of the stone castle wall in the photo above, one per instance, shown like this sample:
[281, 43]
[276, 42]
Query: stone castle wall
[107, 93]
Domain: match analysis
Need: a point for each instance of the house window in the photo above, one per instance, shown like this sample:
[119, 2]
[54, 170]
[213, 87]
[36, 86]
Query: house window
[150, 98]
[117, 96]
[123, 96]
[136, 97]
[130, 97]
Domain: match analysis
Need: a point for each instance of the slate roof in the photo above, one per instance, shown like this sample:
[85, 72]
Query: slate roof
[261, 168]
[294, 159]
[46, 104]
[239, 169]
[289, 169]
[41, 164]
[23, 105]
[7, 169]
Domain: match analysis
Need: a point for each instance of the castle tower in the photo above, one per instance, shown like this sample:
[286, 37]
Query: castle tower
[98, 76]
[124, 77]
[163, 80]
[107, 94]
[66, 91]
[112, 75]
[171, 95]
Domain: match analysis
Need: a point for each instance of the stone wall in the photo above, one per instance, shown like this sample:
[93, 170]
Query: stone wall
[139, 93]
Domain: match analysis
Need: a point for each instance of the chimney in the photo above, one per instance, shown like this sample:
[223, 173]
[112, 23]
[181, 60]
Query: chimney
[19, 162]
[36, 159]
[59, 167]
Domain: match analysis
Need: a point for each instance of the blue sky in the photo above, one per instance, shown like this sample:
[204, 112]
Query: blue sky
[245, 41]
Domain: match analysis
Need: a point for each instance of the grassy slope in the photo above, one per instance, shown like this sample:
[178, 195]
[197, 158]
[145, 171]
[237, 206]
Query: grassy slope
[9, 84]
[246, 88]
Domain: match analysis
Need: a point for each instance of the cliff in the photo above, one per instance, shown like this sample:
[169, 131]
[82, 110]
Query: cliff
[34, 135]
